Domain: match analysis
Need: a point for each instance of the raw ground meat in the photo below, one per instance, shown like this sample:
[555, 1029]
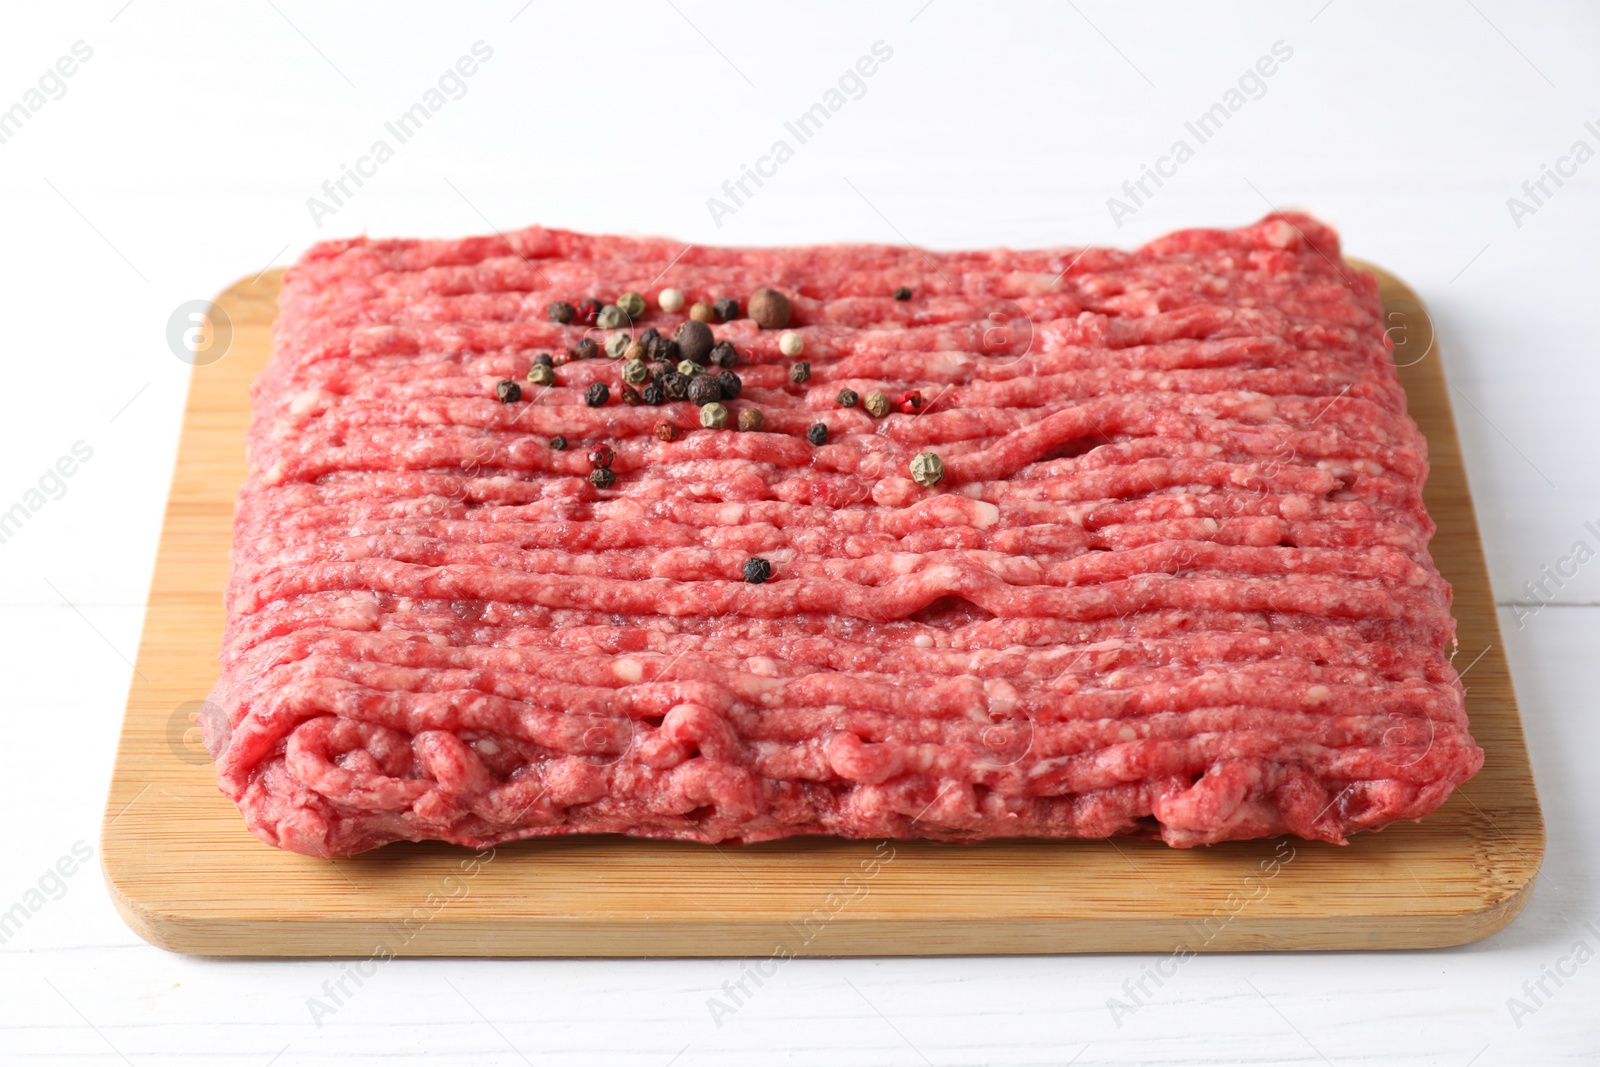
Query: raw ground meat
[1175, 579]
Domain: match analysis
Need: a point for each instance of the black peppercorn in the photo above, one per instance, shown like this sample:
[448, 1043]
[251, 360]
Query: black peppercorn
[818, 434]
[558, 443]
[730, 382]
[757, 570]
[847, 398]
[800, 372]
[584, 349]
[704, 390]
[726, 308]
[508, 392]
[630, 396]
[902, 293]
[723, 354]
[694, 341]
[602, 478]
[659, 349]
[543, 359]
[597, 395]
[675, 385]
[653, 394]
[561, 312]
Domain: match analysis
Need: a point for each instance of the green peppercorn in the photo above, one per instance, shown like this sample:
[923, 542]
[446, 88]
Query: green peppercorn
[713, 416]
[902, 293]
[847, 398]
[877, 404]
[634, 372]
[558, 443]
[800, 372]
[508, 392]
[817, 434]
[757, 570]
[617, 344]
[750, 419]
[602, 478]
[611, 317]
[561, 312]
[688, 369]
[631, 305]
[926, 469]
[541, 374]
[597, 395]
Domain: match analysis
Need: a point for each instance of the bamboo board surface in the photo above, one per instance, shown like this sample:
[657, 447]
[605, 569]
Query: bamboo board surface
[187, 876]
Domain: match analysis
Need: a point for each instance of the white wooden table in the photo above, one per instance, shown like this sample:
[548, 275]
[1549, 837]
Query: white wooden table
[181, 151]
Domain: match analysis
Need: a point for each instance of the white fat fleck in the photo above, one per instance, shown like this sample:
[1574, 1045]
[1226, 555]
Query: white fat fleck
[307, 401]
[1318, 694]
[1127, 733]
[762, 666]
[730, 514]
[984, 514]
[922, 641]
[1002, 696]
[486, 746]
[627, 670]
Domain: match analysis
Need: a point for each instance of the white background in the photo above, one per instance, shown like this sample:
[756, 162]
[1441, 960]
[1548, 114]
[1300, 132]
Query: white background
[181, 157]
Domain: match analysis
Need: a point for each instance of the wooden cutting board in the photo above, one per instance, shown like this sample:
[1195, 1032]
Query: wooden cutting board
[188, 876]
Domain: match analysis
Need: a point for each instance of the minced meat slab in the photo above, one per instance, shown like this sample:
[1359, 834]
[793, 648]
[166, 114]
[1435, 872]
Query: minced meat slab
[1175, 578]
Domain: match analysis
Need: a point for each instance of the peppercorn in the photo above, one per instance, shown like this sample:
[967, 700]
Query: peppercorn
[700, 311]
[584, 349]
[847, 398]
[713, 416]
[558, 443]
[726, 308]
[541, 374]
[611, 318]
[508, 392]
[877, 404]
[652, 394]
[926, 469]
[757, 570]
[634, 372]
[723, 354]
[671, 300]
[694, 341]
[601, 456]
[602, 478]
[750, 419]
[561, 312]
[791, 344]
[817, 434]
[588, 310]
[689, 370]
[902, 293]
[632, 305]
[769, 308]
[703, 390]
[665, 430]
[800, 372]
[630, 396]
[659, 349]
[730, 382]
[544, 357]
[617, 344]
[635, 350]
[597, 395]
[910, 402]
[675, 385]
